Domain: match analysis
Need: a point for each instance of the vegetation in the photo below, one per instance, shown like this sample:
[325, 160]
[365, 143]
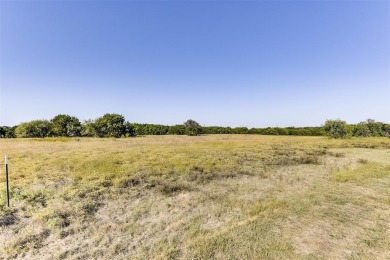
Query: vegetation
[207, 197]
[336, 128]
[7, 132]
[362, 129]
[110, 125]
[176, 130]
[114, 125]
[192, 127]
[65, 125]
[35, 128]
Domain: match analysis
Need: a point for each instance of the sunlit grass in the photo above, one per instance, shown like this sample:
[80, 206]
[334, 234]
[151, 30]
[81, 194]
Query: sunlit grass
[221, 197]
[363, 172]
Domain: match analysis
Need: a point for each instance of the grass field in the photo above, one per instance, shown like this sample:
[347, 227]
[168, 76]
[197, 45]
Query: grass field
[207, 197]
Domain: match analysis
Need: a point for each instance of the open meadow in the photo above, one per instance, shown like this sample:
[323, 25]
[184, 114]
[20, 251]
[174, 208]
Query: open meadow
[202, 197]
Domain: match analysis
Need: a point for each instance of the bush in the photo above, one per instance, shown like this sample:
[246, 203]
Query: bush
[375, 127]
[129, 130]
[177, 130]
[362, 129]
[7, 132]
[336, 128]
[193, 128]
[2, 131]
[88, 128]
[150, 129]
[35, 128]
[110, 125]
[386, 130]
[241, 130]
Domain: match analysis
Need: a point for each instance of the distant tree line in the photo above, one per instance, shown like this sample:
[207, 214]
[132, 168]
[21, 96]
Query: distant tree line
[114, 125]
[340, 129]
[303, 131]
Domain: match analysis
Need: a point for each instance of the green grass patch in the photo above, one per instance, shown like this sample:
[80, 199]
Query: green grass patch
[270, 206]
[363, 172]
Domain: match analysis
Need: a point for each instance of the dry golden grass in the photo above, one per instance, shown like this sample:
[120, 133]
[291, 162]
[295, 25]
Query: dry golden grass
[218, 197]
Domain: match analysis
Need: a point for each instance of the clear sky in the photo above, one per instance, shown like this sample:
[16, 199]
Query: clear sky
[227, 63]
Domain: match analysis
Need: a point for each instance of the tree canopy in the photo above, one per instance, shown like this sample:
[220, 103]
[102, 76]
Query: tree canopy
[336, 128]
[65, 125]
[110, 125]
[192, 127]
[35, 128]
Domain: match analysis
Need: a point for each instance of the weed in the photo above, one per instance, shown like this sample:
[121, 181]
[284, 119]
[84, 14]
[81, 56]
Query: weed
[7, 216]
[32, 241]
[199, 175]
[172, 187]
[129, 181]
[106, 183]
[363, 161]
[310, 159]
[90, 208]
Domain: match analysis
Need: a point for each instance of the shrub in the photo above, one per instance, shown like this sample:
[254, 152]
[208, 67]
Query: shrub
[387, 130]
[110, 125]
[177, 130]
[362, 129]
[193, 128]
[241, 130]
[88, 128]
[336, 128]
[375, 127]
[129, 130]
[35, 128]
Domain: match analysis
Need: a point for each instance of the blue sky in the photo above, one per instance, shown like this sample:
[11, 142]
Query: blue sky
[228, 63]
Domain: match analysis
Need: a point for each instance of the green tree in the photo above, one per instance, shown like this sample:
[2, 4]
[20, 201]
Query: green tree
[177, 130]
[336, 128]
[153, 129]
[110, 125]
[3, 131]
[361, 129]
[35, 128]
[269, 131]
[88, 128]
[217, 130]
[10, 132]
[65, 125]
[139, 129]
[129, 129]
[193, 128]
[240, 130]
[386, 130]
[375, 127]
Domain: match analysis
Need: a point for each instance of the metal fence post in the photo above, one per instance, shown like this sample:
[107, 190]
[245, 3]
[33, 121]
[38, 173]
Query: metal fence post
[6, 177]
